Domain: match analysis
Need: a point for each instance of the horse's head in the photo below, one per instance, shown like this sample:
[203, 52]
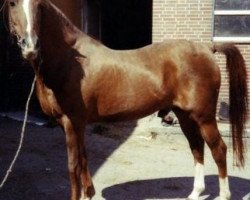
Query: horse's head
[24, 16]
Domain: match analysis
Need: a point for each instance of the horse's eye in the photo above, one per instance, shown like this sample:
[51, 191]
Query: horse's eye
[12, 3]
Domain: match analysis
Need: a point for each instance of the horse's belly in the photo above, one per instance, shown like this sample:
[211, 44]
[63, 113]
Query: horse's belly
[121, 94]
[125, 107]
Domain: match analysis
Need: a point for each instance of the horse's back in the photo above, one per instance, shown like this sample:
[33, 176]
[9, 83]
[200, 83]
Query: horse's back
[138, 82]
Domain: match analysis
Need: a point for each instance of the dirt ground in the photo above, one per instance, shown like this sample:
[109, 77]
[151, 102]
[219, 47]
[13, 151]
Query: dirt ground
[126, 162]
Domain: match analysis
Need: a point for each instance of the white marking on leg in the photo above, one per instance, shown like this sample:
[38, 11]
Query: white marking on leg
[83, 197]
[199, 184]
[225, 193]
[247, 197]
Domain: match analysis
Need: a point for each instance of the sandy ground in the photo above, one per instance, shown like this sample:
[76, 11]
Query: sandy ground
[127, 163]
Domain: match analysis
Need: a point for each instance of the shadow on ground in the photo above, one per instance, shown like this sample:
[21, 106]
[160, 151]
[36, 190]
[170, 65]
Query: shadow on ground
[41, 169]
[172, 188]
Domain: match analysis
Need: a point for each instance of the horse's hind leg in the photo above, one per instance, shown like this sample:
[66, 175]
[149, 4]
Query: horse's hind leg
[211, 135]
[81, 182]
[196, 142]
[197, 130]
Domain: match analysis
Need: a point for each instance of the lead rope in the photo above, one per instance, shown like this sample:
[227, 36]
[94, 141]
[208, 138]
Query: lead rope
[22, 135]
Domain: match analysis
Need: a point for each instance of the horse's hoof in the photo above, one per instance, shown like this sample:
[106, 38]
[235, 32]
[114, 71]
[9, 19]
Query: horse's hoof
[90, 191]
[225, 198]
[85, 198]
[88, 194]
[190, 198]
[225, 195]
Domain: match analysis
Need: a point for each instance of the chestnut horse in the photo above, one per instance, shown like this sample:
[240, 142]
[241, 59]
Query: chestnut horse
[80, 81]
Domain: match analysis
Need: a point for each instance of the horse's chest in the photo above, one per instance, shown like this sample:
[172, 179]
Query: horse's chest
[47, 100]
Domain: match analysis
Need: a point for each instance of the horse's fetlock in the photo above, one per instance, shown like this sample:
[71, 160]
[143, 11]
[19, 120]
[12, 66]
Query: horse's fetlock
[200, 189]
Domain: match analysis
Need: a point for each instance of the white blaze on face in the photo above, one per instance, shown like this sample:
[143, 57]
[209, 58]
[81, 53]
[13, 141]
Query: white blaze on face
[29, 40]
[26, 8]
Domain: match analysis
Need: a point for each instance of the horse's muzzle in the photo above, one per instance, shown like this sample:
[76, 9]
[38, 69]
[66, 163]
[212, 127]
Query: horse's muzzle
[30, 54]
[29, 49]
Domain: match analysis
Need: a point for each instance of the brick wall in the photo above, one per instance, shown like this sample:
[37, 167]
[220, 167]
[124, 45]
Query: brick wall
[192, 20]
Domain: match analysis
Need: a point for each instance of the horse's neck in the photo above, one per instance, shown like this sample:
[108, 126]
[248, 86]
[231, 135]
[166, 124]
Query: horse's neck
[57, 33]
[58, 41]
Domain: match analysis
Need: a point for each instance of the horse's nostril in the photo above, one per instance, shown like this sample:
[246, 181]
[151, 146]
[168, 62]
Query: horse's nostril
[23, 42]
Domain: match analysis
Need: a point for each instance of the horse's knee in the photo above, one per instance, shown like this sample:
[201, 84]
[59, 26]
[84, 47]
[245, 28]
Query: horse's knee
[73, 166]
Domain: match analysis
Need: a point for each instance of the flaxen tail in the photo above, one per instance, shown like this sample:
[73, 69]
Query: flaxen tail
[237, 96]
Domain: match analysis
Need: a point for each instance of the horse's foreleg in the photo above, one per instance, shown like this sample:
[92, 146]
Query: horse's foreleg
[196, 143]
[81, 183]
[88, 190]
[74, 166]
[218, 148]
